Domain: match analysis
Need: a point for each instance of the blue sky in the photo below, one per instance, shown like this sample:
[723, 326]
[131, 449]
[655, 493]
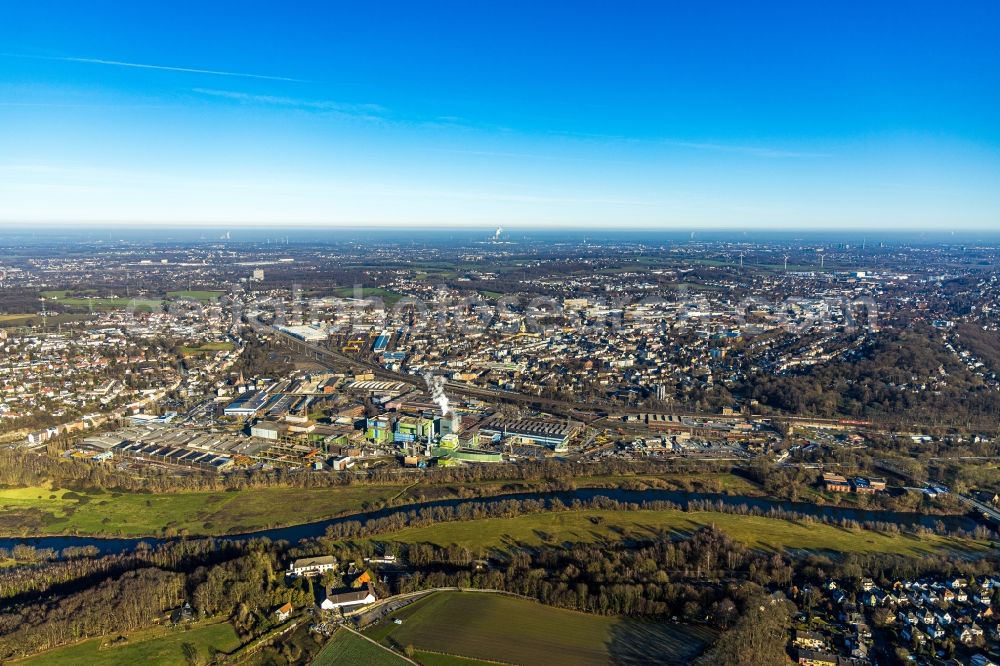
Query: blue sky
[606, 114]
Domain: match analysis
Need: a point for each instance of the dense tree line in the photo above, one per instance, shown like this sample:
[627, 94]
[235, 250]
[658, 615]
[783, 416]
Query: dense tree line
[898, 376]
[259, 360]
[132, 601]
[984, 343]
[41, 573]
[758, 639]
[123, 593]
[20, 299]
[698, 579]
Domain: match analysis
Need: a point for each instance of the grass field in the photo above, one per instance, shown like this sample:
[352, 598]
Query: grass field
[120, 303]
[15, 318]
[208, 348]
[588, 526]
[196, 295]
[390, 298]
[33, 319]
[486, 626]
[347, 649]
[41, 510]
[44, 511]
[160, 646]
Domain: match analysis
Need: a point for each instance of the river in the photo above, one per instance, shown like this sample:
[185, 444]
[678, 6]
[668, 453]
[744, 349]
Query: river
[296, 533]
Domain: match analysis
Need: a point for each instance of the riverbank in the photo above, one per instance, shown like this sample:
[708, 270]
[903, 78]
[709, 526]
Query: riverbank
[729, 505]
[42, 511]
[757, 532]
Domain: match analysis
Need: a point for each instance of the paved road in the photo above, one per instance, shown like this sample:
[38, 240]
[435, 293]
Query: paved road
[377, 607]
[985, 509]
[595, 410]
[340, 360]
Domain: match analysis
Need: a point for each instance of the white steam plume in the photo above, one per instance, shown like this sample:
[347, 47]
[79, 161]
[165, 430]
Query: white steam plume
[435, 384]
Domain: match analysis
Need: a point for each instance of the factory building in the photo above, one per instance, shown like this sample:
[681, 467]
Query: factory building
[247, 404]
[379, 430]
[305, 333]
[551, 434]
[414, 428]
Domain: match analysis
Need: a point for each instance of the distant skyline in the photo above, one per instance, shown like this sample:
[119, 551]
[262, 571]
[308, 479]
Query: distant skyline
[612, 115]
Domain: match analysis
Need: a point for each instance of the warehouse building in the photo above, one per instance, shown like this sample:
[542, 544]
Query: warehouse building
[552, 434]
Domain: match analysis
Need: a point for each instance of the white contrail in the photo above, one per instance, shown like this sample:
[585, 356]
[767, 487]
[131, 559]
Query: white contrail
[165, 68]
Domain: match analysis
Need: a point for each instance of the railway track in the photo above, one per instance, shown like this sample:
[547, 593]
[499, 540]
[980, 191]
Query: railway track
[592, 411]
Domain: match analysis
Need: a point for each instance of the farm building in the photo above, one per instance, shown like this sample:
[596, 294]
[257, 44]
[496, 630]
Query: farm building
[346, 599]
[308, 566]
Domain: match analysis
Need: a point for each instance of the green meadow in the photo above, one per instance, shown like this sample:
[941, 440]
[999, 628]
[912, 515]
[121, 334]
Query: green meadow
[759, 532]
[446, 627]
[348, 649]
[160, 646]
[39, 510]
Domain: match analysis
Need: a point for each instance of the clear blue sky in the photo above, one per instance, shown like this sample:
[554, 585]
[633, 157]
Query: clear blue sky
[611, 114]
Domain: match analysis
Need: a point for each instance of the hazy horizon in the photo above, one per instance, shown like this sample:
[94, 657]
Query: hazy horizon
[766, 116]
[409, 234]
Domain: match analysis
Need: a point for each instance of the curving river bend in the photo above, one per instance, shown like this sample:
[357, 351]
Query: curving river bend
[296, 533]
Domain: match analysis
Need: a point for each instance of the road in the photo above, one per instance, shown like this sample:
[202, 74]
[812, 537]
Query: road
[595, 411]
[378, 610]
[339, 360]
[985, 509]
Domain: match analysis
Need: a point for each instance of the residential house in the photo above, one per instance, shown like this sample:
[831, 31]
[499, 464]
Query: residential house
[283, 612]
[362, 579]
[817, 658]
[809, 640]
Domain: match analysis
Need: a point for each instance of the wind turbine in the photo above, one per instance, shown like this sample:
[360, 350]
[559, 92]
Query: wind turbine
[741, 260]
